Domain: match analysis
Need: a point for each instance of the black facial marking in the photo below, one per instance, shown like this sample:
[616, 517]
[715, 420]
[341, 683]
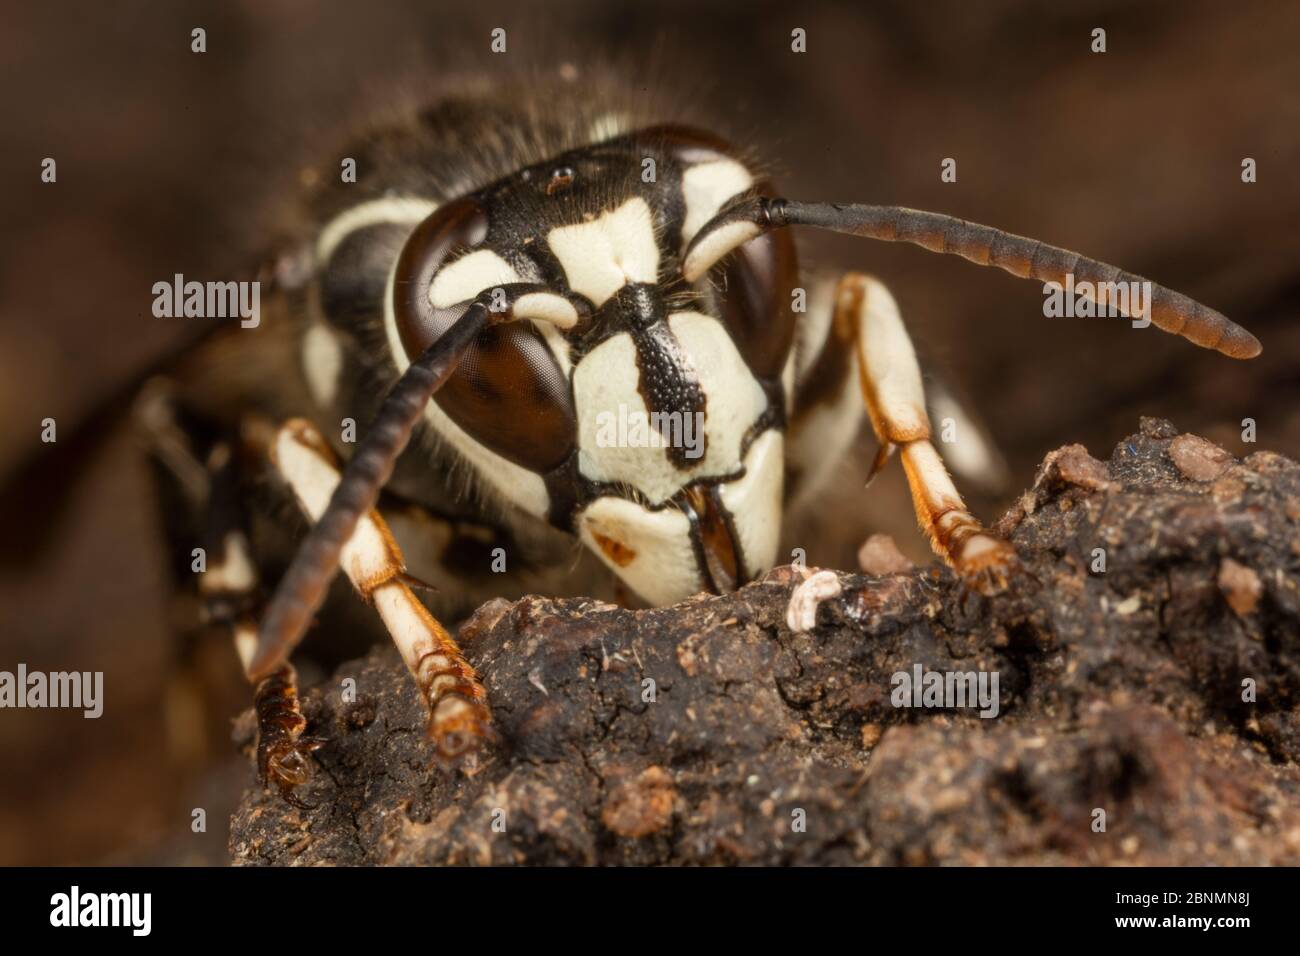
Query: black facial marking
[668, 384]
[666, 378]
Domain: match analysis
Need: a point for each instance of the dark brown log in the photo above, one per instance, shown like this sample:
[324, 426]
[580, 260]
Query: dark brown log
[1120, 691]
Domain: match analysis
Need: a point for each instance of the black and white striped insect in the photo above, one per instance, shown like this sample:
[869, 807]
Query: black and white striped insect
[509, 274]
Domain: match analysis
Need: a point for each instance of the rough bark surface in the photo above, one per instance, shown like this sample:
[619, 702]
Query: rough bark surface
[1120, 691]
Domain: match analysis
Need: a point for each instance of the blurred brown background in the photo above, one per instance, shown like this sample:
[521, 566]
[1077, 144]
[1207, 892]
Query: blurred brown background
[165, 159]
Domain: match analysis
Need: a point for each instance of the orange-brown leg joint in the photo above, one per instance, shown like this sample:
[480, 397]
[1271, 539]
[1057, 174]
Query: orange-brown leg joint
[892, 391]
[459, 720]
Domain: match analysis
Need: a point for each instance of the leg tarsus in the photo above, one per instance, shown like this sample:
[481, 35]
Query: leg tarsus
[895, 399]
[459, 720]
[989, 564]
[283, 753]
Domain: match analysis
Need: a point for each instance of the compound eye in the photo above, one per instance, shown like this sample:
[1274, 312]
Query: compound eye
[508, 393]
[451, 231]
[758, 277]
[757, 304]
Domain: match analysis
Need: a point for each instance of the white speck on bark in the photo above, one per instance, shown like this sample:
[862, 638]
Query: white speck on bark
[801, 614]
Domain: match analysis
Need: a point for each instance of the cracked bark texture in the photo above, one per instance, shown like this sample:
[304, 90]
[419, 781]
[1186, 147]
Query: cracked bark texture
[1120, 691]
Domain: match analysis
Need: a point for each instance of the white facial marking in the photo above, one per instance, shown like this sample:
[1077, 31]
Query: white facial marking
[706, 187]
[601, 256]
[390, 209]
[735, 398]
[322, 361]
[469, 275]
[546, 307]
[606, 378]
[717, 244]
[650, 550]
[755, 502]
[510, 482]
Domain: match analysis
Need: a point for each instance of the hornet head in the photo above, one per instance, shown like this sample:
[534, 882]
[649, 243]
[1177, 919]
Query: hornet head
[638, 410]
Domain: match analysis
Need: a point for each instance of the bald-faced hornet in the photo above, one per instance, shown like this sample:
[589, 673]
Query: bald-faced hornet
[494, 286]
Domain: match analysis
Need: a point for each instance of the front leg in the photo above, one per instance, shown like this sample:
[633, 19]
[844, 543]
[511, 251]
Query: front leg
[865, 335]
[456, 700]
